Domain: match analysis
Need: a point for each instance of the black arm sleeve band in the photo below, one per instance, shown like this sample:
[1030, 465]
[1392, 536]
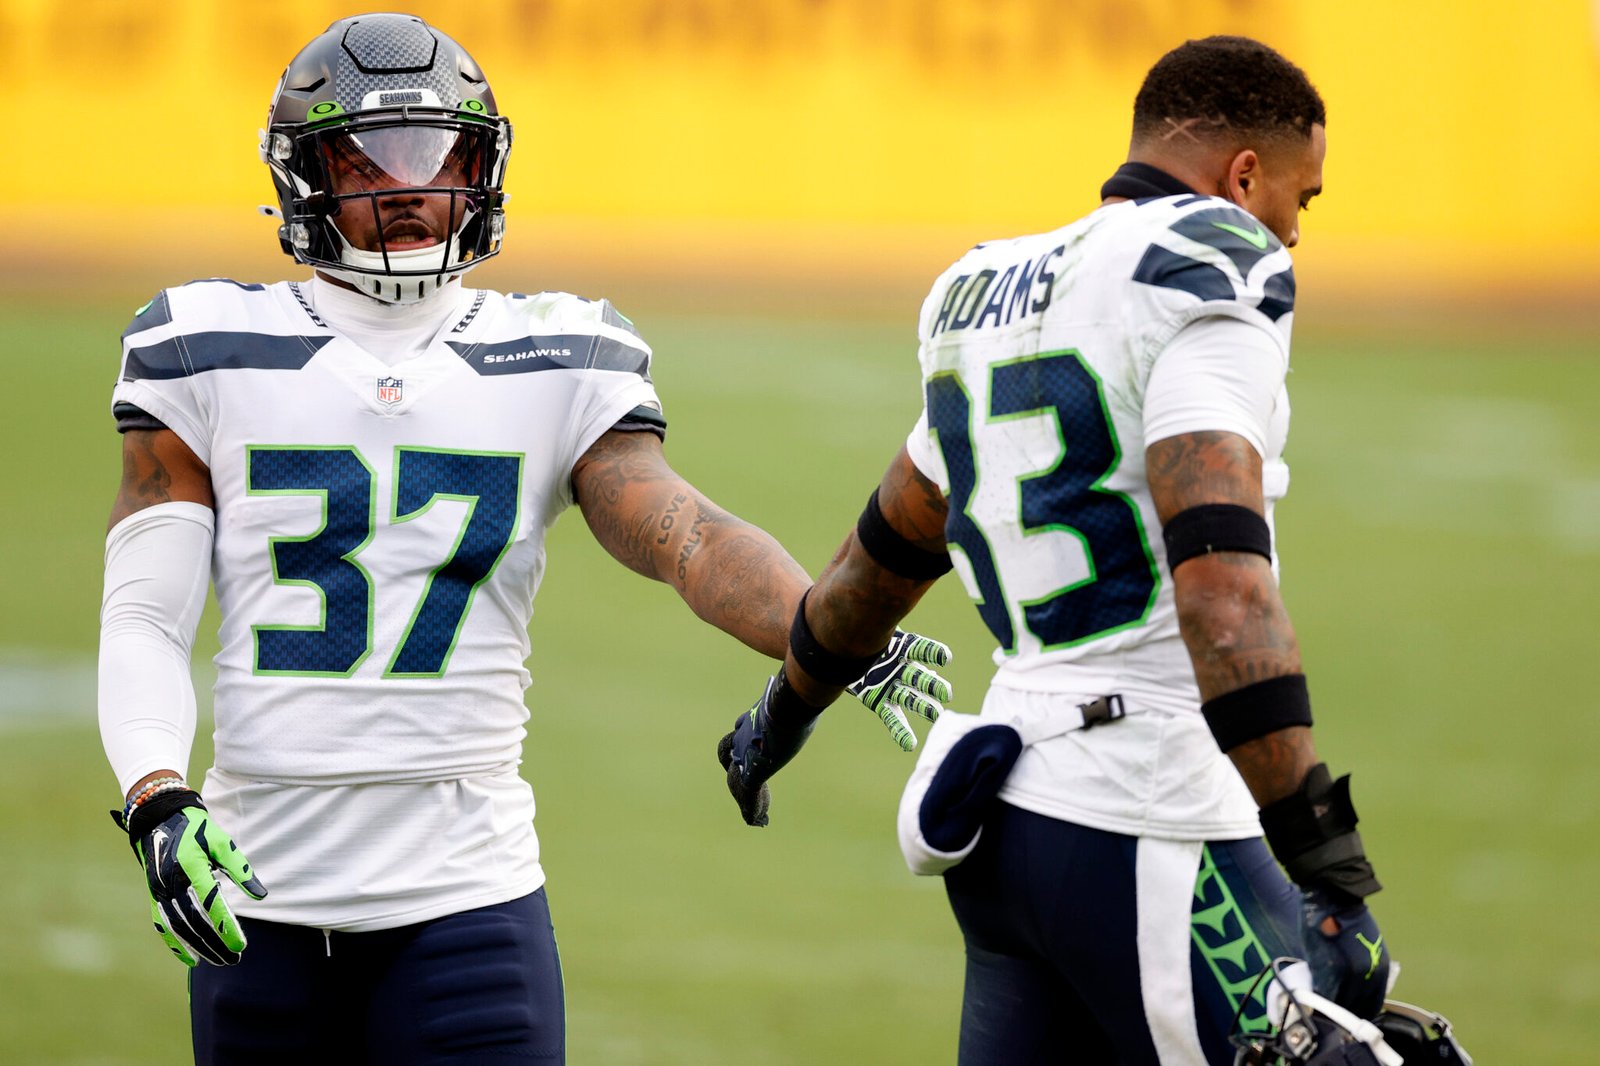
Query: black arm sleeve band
[1313, 833]
[1215, 527]
[1258, 709]
[645, 418]
[130, 417]
[826, 666]
[893, 552]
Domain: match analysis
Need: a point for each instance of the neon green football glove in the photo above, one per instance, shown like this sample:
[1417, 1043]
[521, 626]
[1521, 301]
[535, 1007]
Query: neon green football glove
[904, 679]
[178, 845]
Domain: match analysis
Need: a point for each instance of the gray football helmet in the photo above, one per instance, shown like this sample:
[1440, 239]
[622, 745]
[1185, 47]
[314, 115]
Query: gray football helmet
[388, 156]
[1314, 1031]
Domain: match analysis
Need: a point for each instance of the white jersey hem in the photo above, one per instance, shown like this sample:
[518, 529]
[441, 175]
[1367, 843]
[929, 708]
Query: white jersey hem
[1149, 828]
[263, 912]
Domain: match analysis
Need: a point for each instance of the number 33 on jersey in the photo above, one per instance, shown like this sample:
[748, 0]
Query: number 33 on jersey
[1038, 411]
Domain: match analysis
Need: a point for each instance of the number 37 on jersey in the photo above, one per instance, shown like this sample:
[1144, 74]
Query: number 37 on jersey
[331, 559]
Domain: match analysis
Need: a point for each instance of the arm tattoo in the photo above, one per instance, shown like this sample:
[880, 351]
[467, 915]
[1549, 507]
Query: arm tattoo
[913, 505]
[1275, 765]
[732, 574]
[858, 603]
[1229, 609]
[1195, 468]
[158, 468]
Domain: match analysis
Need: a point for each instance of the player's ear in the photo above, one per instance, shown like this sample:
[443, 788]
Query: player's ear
[1244, 171]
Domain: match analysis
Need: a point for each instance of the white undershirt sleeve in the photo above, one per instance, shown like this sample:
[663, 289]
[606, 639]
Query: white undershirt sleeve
[158, 567]
[1216, 374]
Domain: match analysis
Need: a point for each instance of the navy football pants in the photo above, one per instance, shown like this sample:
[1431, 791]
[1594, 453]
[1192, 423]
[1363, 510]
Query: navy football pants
[1091, 947]
[480, 987]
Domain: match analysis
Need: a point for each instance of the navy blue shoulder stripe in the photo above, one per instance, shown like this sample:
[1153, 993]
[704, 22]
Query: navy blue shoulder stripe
[197, 353]
[612, 317]
[1170, 270]
[158, 312]
[1279, 298]
[561, 351]
[246, 286]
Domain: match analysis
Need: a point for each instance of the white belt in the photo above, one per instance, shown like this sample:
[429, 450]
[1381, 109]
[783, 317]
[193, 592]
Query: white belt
[1059, 720]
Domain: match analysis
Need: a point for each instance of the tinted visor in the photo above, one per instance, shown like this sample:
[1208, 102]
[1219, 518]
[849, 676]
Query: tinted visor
[403, 157]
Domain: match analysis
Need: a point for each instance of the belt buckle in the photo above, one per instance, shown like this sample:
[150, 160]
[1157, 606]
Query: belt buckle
[1105, 709]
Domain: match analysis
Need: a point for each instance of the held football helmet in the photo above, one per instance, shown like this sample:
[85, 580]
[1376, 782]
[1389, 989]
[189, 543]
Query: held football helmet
[1313, 1031]
[388, 156]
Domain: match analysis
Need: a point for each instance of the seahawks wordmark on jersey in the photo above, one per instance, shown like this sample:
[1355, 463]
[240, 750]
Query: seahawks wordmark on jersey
[379, 541]
[1049, 363]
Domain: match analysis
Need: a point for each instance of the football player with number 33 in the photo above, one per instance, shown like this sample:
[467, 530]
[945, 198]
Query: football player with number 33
[1099, 455]
[364, 464]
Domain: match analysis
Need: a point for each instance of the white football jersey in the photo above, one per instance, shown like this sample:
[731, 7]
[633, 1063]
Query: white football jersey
[379, 540]
[1049, 364]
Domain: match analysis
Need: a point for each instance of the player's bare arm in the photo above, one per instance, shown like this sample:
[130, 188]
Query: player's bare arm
[157, 467]
[731, 574]
[857, 603]
[1229, 608]
[846, 629]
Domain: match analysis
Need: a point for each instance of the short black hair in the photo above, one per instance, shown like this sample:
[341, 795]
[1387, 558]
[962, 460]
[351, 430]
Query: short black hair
[1226, 88]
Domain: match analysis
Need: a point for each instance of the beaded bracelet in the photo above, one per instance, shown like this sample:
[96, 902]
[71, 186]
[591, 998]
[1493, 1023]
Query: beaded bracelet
[151, 790]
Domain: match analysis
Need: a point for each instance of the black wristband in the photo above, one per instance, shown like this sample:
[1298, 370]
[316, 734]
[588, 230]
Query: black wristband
[1215, 527]
[1312, 831]
[156, 810]
[785, 707]
[1260, 708]
[826, 666]
[894, 552]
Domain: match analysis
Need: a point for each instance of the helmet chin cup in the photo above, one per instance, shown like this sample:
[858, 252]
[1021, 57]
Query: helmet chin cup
[399, 283]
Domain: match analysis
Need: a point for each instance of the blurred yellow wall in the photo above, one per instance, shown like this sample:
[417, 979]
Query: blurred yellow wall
[1464, 136]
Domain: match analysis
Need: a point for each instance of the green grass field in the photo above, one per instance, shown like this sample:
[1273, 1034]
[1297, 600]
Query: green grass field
[1441, 547]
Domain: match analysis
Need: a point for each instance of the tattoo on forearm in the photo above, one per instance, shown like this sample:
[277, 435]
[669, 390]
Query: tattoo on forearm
[670, 519]
[1234, 623]
[731, 573]
[1274, 765]
[692, 541]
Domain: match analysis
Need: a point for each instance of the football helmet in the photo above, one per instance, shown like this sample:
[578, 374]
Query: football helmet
[1314, 1031]
[388, 156]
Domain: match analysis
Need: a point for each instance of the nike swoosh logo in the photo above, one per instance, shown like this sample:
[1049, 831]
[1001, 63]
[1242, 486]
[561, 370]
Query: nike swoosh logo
[1258, 238]
[158, 844]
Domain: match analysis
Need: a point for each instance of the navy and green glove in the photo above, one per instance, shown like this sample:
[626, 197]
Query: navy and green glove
[904, 679]
[772, 732]
[178, 845]
[762, 742]
[1349, 963]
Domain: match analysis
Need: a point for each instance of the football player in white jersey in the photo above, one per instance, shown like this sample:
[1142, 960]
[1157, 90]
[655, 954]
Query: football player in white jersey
[1098, 458]
[364, 464]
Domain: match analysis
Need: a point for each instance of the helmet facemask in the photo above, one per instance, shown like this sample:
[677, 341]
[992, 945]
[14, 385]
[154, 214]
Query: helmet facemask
[397, 203]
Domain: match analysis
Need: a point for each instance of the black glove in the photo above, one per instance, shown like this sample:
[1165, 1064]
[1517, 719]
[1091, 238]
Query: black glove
[763, 741]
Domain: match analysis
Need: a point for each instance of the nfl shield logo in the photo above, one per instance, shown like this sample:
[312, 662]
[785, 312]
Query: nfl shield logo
[390, 391]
